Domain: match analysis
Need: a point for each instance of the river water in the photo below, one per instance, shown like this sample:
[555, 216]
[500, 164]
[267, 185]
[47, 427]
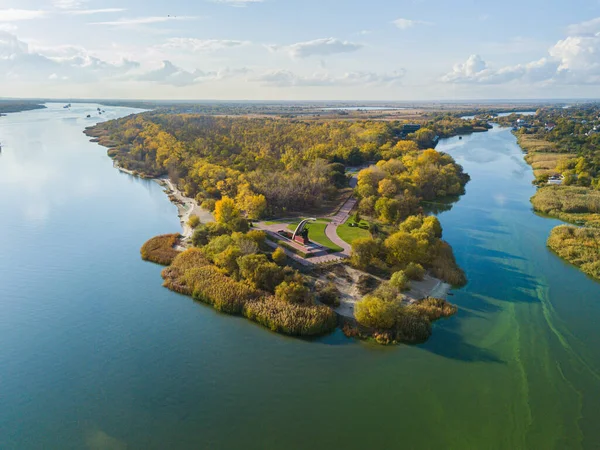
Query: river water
[96, 354]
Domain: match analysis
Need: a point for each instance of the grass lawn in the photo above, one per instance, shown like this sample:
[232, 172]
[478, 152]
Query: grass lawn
[316, 233]
[350, 234]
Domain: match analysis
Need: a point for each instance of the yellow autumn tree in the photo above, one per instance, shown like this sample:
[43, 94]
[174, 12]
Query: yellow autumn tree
[226, 211]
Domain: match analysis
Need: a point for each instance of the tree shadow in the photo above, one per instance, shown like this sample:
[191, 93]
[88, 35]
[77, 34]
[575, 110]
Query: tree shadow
[450, 344]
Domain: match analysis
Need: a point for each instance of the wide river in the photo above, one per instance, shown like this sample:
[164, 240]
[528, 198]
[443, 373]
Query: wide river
[94, 353]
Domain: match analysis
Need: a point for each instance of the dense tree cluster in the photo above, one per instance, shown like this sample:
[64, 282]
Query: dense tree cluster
[392, 189]
[264, 164]
[417, 244]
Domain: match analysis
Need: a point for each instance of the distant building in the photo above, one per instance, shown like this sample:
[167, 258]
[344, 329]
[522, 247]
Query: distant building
[550, 126]
[556, 180]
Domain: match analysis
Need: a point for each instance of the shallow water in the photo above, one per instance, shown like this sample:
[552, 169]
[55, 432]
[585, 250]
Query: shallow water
[96, 354]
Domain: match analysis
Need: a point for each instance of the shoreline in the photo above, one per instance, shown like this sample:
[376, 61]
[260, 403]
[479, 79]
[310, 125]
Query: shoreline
[186, 206]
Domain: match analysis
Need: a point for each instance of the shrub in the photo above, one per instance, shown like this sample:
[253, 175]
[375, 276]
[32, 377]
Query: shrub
[411, 327]
[260, 272]
[433, 308]
[193, 221]
[400, 281]
[579, 246]
[293, 292]
[209, 204]
[366, 284]
[290, 318]
[257, 236]
[376, 313]
[444, 267]
[414, 271]
[279, 256]
[210, 286]
[329, 294]
[160, 249]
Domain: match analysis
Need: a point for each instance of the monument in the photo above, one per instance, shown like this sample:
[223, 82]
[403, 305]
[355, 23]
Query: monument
[301, 233]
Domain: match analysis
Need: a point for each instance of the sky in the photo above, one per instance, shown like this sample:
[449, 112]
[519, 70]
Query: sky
[382, 50]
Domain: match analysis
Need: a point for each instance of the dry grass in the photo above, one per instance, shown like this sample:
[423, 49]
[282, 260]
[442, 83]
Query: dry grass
[579, 246]
[545, 163]
[569, 203]
[291, 319]
[160, 249]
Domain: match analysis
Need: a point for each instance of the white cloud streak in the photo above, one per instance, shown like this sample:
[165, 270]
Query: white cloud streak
[405, 24]
[124, 22]
[14, 15]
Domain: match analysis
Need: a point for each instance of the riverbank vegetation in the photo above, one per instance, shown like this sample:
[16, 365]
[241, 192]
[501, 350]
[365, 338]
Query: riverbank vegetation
[579, 246]
[392, 189]
[161, 249]
[573, 204]
[11, 106]
[416, 242]
[563, 144]
[384, 317]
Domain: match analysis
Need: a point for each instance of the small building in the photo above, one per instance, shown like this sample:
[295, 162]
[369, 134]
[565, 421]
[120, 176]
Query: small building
[555, 180]
[550, 126]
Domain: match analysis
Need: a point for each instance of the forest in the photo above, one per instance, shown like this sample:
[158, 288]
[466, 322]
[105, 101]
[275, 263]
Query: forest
[273, 166]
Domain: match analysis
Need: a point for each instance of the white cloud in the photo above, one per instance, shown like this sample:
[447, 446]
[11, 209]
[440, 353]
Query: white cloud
[238, 3]
[475, 70]
[143, 20]
[83, 12]
[202, 45]
[574, 60]
[18, 62]
[583, 28]
[13, 15]
[170, 74]
[286, 78]
[405, 24]
[68, 4]
[317, 47]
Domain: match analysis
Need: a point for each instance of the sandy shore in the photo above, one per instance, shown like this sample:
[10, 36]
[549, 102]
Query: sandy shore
[186, 207]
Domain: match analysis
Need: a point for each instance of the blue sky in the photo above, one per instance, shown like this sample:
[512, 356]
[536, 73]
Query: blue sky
[300, 50]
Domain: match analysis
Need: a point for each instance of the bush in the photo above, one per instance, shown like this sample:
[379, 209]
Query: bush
[290, 318]
[279, 256]
[257, 236]
[414, 271]
[209, 204]
[260, 272]
[376, 313]
[411, 327]
[210, 286]
[366, 284]
[400, 281]
[444, 267]
[160, 249]
[329, 294]
[293, 292]
[433, 308]
[193, 221]
[579, 246]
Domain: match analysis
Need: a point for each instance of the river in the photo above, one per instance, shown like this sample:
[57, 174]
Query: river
[96, 354]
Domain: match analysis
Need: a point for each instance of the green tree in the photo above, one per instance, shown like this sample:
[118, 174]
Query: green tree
[401, 248]
[364, 251]
[374, 312]
[226, 211]
[400, 281]
[279, 257]
[293, 292]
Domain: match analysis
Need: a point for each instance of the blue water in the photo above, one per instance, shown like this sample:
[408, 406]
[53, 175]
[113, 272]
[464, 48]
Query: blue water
[96, 354]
